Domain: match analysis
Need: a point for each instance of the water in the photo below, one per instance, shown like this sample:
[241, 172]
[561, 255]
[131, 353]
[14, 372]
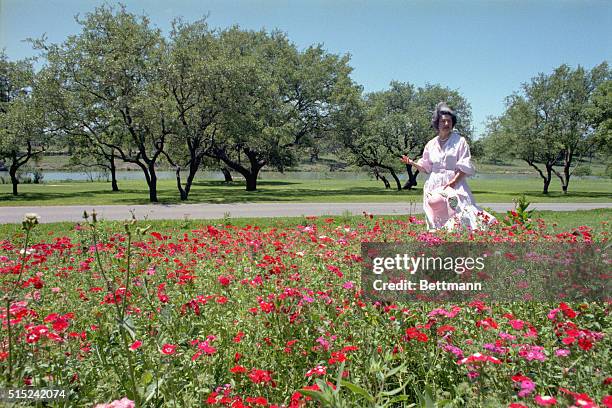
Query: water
[56, 176]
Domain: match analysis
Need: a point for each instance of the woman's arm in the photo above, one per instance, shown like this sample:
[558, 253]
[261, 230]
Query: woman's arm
[456, 178]
[408, 160]
[424, 164]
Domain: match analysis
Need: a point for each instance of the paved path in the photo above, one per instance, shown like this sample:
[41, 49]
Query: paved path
[216, 211]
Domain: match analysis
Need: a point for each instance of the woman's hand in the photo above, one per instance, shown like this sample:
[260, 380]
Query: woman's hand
[405, 159]
[458, 175]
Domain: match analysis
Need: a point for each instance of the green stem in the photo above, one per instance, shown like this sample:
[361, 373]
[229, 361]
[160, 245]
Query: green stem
[10, 343]
[127, 277]
[8, 305]
[131, 367]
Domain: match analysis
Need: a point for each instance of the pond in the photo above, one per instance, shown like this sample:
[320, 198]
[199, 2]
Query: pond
[55, 176]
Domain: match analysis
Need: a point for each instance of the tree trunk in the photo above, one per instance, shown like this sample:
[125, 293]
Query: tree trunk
[397, 180]
[251, 181]
[113, 171]
[181, 190]
[546, 184]
[569, 155]
[249, 173]
[562, 180]
[227, 175]
[14, 179]
[194, 164]
[547, 179]
[412, 178]
[381, 178]
[152, 183]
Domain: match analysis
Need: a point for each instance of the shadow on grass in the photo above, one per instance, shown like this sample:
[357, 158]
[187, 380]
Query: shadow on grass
[551, 194]
[56, 195]
[219, 192]
[237, 194]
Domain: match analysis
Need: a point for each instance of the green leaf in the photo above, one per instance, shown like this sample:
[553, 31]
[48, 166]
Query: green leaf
[151, 390]
[339, 378]
[146, 377]
[395, 370]
[356, 389]
[316, 395]
[395, 391]
[400, 398]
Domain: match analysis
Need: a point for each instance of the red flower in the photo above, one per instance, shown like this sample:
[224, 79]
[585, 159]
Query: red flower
[260, 376]
[257, 401]
[414, 333]
[585, 344]
[238, 337]
[445, 328]
[224, 280]
[168, 349]
[318, 371]
[487, 323]
[545, 400]
[136, 345]
[479, 358]
[567, 311]
[238, 369]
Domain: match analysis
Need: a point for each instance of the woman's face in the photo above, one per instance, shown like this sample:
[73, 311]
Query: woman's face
[445, 124]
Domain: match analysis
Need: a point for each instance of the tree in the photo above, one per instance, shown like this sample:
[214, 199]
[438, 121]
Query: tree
[24, 134]
[526, 128]
[281, 99]
[78, 124]
[110, 77]
[397, 122]
[549, 121]
[197, 81]
[599, 113]
[574, 91]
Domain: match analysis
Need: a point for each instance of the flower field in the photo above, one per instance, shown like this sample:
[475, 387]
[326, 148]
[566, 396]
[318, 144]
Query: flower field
[228, 316]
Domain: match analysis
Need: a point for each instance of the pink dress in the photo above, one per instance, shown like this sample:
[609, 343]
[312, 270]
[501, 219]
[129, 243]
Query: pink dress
[440, 163]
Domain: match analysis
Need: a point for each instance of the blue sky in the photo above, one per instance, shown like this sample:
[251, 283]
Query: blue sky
[483, 48]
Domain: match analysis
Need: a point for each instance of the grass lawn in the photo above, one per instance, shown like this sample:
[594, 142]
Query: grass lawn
[556, 221]
[486, 189]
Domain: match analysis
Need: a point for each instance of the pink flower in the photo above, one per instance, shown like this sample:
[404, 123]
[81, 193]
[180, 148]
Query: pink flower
[545, 400]
[168, 349]
[136, 345]
[562, 352]
[531, 353]
[553, 314]
[527, 387]
[122, 403]
[348, 285]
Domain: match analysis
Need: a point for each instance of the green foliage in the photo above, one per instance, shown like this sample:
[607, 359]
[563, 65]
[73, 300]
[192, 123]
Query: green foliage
[520, 215]
[395, 122]
[555, 120]
[582, 170]
[24, 129]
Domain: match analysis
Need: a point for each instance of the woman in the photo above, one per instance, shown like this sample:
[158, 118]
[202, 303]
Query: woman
[447, 199]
